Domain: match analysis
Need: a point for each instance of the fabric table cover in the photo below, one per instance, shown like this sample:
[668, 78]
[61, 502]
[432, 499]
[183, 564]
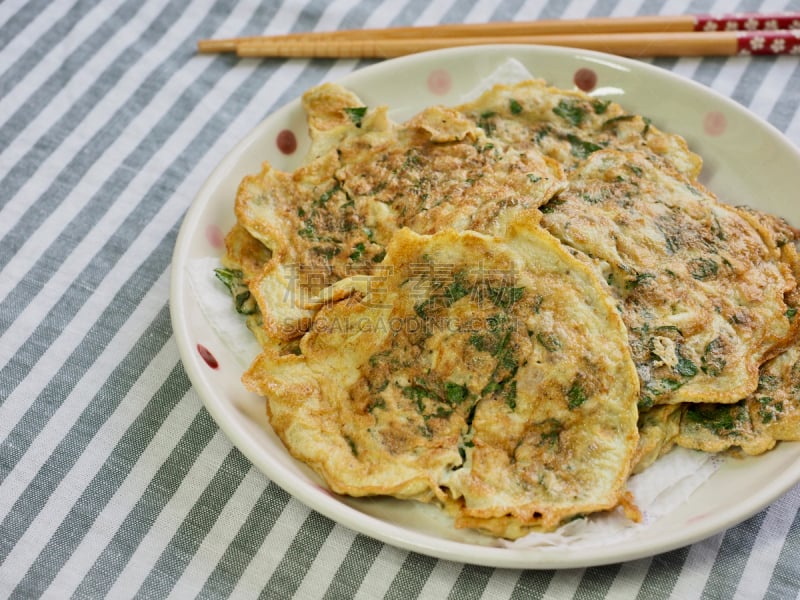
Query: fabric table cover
[114, 480]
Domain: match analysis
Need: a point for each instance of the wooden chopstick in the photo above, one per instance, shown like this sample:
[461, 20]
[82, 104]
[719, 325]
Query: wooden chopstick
[637, 45]
[549, 27]
[492, 29]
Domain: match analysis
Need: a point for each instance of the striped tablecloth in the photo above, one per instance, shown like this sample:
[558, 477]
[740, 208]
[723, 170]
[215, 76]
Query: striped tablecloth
[114, 480]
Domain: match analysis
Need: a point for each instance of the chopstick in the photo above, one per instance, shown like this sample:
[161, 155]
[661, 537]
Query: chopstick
[665, 35]
[549, 26]
[721, 43]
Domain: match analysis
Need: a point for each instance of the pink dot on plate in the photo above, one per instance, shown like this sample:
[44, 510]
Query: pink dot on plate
[715, 123]
[214, 236]
[206, 355]
[439, 82]
[286, 141]
[585, 79]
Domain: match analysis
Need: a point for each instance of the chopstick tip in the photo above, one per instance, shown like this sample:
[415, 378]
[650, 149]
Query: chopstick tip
[214, 46]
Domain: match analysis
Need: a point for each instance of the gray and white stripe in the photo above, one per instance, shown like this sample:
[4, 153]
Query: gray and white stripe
[113, 477]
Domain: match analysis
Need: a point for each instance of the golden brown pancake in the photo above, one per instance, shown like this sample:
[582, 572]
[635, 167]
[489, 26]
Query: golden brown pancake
[365, 178]
[704, 287]
[568, 125]
[658, 428]
[755, 424]
[702, 292]
[489, 374]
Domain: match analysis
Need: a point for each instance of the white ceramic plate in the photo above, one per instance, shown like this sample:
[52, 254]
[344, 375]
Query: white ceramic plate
[746, 162]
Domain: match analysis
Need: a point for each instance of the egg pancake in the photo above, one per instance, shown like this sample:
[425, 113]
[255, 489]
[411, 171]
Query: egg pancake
[775, 405]
[701, 289]
[755, 424]
[489, 374]
[668, 248]
[366, 177]
[569, 125]
[721, 427]
[658, 428]
[244, 259]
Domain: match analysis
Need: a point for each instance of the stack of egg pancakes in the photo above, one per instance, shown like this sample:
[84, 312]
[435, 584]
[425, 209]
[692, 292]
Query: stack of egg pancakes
[509, 307]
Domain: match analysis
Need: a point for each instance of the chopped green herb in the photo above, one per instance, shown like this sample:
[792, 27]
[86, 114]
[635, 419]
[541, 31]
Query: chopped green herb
[455, 291]
[638, 280]
[673, 242]
[422, 308]
[352, 444]
[441, 412]
[636, 170]
[412, 159]
[504, 297]
[551, 205]
[613, 121]
[356, 114]
[662, 386]
[549, 341]
[358, 250]
[645, 401]
[455, 393]
[243, 300]
[481, 343]
[417, 392]
[376, 404]
[542, 133]
[713, 360]
[593, 198]
[576, 395]
[790, 313]
[570, 111]
[230, 277]
[502, 348]
[768, 382]
[484, 123]
[378, 358]
[661, 329]
[323, 199]
[490, 387]
[551, 435]
[582, 148]
[600, 106]
[307, 231]
[515, 107]
[327, 251]
[703, 268]
[511, 395]
[763, 410]
[769, 410]
[379, 256]
[721, 419]
[686, 367]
